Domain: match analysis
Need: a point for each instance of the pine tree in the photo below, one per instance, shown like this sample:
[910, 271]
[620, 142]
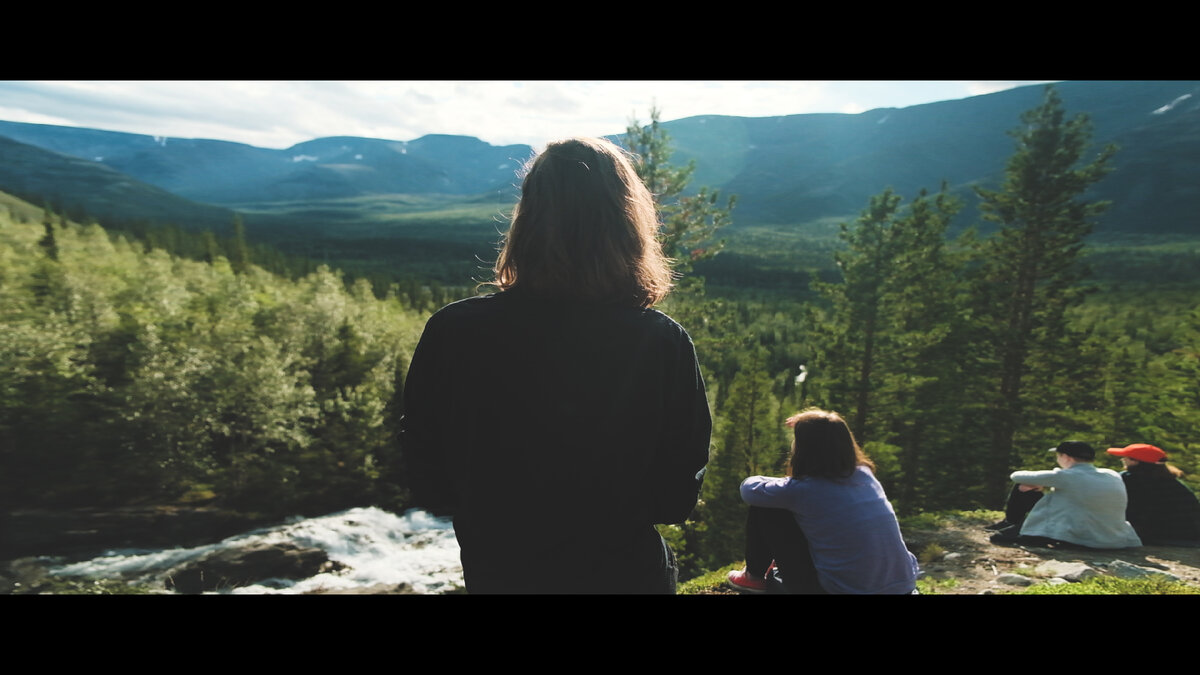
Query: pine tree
[690, 222]
[752, 441]
[1031, 265]
[921, 378]
[212, 250]
[240, 255]
[891, 342]
[48, 242]
[854, 325]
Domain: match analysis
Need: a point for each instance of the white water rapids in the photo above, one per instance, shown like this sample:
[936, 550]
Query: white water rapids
[376, 547]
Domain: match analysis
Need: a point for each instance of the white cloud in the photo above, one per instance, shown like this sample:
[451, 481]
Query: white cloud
[281, 114]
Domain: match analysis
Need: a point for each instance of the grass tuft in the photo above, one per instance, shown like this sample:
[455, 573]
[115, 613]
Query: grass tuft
[936, 586]
[709, 581]
[931, 553]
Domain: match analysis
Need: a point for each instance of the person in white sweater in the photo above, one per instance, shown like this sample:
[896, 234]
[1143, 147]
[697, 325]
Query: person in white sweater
[1078, 503]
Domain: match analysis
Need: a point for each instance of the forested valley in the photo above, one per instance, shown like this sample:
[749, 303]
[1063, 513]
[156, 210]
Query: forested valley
[164, 366]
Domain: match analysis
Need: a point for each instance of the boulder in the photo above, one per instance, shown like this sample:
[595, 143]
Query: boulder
[1124, 570]
[1071, 571]
[248, 565]
[1015, 580]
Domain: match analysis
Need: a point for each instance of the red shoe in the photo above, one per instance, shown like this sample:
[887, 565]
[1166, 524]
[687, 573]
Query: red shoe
[745, 583]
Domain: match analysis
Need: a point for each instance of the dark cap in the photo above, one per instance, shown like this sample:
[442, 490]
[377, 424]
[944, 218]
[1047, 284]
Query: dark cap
[1076, 449]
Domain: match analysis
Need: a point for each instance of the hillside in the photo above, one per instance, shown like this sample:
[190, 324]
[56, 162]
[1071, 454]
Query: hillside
[957, 559]
[130, 376]
[81, 186]
[788, 170]
[800, 168]
[222, 172]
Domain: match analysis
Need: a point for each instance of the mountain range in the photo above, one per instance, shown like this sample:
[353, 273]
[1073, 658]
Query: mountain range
[786, 170]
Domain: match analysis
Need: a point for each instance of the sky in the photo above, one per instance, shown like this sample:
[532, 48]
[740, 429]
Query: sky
[279, 114]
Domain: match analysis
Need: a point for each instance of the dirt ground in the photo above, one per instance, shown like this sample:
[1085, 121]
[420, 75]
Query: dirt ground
[975, 564]
[964, 562]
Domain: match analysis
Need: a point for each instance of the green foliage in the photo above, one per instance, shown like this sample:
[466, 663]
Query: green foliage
[931, 348]
[891, 345]
[129, 376]
[240, 253]
[709, 581]
[678, 538]
[977, 517]
[1031, 268]
[934, 520]
[690, 221]
[930, 586]
[931, 553]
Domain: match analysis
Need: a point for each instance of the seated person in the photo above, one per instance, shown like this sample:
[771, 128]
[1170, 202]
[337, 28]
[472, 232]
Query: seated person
[1084, 505]
[1162, 510]
[827, 527]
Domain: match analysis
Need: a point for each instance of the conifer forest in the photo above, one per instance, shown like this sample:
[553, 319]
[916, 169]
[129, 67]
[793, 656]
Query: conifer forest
[161, 366]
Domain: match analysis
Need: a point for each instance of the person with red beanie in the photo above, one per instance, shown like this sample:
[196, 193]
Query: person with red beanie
[1161, 509]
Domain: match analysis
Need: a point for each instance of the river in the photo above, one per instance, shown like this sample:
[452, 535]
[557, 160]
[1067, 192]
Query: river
[374, 546]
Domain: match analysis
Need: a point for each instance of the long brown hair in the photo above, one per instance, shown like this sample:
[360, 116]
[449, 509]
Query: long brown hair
[1157, 469]
[586, 228]
[823, 446]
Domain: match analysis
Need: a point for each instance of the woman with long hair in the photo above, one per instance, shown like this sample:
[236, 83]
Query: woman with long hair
[1161, 509]
[560, 418]
[827, 527]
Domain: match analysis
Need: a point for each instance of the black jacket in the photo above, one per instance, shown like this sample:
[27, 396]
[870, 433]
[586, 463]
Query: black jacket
[1162, 510]
[557, 434]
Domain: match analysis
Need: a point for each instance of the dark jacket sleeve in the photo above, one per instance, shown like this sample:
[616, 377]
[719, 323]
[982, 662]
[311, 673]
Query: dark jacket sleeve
[683, 452]
[426, 404]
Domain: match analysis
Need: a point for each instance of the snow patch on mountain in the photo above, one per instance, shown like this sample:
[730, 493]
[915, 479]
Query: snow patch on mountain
[1171, 105]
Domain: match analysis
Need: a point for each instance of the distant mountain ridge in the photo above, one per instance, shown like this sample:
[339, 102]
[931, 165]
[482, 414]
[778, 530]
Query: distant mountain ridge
[786, 170]
[223, 172]
[801, 167]
[72, 183]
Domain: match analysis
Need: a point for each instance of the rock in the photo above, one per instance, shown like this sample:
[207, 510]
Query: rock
[1071, 571]
[952, 556]
[1124, 570]
[19, 575]
[1015, 580]
[1056, 581]
[254, 563]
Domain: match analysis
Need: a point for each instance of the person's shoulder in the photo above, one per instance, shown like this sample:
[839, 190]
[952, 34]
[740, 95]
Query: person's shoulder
[462, 318]
[1037, 473]
[770, 485]
[863, 474]
[662, 322]
[662, 317]
[467, 308]
[766, 480]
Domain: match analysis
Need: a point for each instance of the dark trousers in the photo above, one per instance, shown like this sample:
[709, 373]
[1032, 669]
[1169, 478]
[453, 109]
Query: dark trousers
[1019, 504]
[639, 562]
[773, 535]
[1016, 509]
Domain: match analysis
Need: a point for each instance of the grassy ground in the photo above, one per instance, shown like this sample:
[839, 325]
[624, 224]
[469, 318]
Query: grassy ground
[957, 559]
